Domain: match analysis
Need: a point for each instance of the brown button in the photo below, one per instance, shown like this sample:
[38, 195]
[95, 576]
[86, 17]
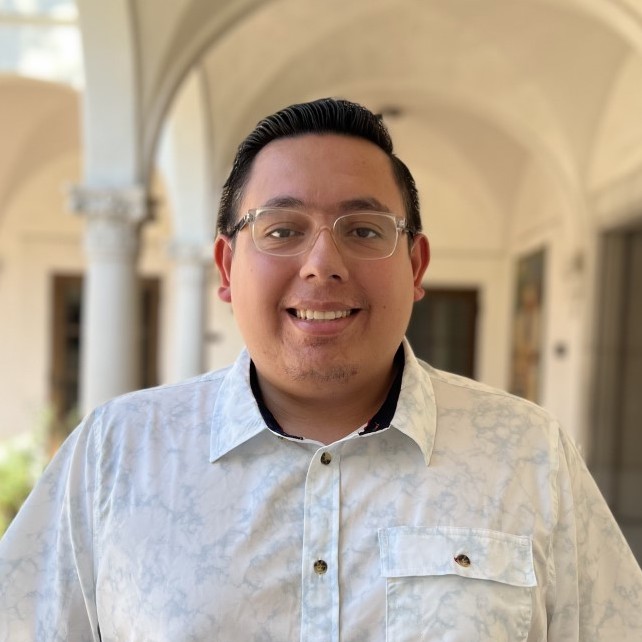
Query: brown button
[320, 567]
[326, 458]
[463, 560]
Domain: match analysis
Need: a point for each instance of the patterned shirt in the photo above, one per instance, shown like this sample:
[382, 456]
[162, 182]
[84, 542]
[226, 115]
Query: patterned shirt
[175, 514]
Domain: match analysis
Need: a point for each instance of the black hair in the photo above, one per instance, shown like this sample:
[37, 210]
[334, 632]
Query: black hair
[323, 116]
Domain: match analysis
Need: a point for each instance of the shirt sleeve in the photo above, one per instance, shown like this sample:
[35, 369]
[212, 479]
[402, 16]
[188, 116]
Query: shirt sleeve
[46, 556]
[597, 583]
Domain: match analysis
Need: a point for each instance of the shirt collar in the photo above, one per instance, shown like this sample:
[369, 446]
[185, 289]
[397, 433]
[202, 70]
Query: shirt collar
[416, 414]
[237, 415]
[380, 420]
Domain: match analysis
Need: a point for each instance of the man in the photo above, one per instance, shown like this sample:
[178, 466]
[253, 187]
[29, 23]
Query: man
[328, 485]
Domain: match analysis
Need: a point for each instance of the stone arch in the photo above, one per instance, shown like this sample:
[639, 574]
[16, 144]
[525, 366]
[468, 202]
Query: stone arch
[39, 122]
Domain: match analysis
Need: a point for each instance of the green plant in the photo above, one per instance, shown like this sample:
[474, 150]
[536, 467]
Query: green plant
[23, 458]
[19, 468]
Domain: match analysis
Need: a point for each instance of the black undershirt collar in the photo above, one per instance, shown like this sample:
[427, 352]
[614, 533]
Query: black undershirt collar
[379, 421]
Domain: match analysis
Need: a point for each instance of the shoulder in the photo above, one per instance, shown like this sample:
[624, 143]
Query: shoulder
[168, 395]
[169, 411]
[453, 390]
[492, 421]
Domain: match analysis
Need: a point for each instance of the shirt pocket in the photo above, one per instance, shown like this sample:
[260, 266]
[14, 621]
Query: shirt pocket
[456, 584]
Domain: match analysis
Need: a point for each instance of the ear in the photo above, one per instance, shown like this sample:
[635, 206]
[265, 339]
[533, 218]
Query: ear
[419, 258]
[223, 253]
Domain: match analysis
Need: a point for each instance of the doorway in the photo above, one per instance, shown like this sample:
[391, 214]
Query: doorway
[616, 452]
[66, 305]
[442, 329]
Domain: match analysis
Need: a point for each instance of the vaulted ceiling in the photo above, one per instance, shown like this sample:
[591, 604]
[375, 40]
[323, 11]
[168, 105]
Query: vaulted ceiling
[474, 90]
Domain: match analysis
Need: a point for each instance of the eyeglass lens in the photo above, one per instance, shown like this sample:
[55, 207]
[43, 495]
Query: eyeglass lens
[367, 235]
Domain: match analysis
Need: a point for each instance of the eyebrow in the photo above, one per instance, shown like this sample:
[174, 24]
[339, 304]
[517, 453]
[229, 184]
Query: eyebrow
[361, 204]
[351, 205]
[286, 202]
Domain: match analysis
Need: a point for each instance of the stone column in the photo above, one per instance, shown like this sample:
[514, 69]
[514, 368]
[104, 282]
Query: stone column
[110, 347]
[188, 309]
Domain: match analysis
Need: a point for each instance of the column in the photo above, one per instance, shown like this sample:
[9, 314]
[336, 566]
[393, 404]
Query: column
[188, 309]
[110, 348]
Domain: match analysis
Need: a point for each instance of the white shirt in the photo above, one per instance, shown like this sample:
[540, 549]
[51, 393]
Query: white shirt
[174, 514]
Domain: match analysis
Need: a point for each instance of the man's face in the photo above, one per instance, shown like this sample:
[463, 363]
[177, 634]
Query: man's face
[324, 176]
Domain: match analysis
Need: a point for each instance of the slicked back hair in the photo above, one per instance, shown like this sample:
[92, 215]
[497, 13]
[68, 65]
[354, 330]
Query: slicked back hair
[323, 116]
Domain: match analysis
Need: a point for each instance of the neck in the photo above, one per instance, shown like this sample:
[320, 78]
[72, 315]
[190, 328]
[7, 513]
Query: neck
[329, 414]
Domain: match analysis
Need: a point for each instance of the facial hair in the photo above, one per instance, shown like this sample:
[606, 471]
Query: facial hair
[331, 374]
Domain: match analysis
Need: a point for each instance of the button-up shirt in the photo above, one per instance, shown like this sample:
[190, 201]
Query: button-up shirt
[175, 514]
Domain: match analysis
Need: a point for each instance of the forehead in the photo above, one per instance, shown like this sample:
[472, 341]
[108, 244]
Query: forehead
[322, 171]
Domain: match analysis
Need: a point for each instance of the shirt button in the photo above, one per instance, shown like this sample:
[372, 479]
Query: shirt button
[326, 458]
[320, 567]
[463, 560]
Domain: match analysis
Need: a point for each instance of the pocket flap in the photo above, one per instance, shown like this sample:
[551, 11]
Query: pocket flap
[410, 551]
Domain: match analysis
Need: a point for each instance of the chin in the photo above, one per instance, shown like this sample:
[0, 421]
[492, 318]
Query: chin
[329, 374]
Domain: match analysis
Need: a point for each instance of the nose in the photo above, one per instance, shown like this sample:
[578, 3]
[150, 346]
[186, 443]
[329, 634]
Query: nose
[323, 260]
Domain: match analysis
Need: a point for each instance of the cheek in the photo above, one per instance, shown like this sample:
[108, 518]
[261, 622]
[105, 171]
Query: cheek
[390, 283]
[394, 294]
[248, 272]
[256, 285]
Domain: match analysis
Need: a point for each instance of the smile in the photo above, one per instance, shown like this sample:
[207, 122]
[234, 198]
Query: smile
[322, 315]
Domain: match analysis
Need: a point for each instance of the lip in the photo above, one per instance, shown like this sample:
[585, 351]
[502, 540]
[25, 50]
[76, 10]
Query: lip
[326, 318]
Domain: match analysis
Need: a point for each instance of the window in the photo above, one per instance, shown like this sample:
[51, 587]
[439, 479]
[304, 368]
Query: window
[41, 39]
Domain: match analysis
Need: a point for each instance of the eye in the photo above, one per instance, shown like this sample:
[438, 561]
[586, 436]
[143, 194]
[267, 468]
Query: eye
[282, 233]
[280, 226]
[363, 232]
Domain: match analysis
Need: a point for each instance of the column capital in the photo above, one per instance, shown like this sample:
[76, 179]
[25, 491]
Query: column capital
[128, 204]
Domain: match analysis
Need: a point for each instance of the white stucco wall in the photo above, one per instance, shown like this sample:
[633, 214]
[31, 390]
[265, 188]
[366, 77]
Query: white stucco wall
[37, 238]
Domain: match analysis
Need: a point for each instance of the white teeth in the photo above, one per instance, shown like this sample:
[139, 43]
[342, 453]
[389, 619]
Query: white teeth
[320, 315]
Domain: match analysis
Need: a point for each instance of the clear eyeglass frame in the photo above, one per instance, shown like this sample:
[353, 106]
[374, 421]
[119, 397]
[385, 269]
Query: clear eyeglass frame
[252, 215]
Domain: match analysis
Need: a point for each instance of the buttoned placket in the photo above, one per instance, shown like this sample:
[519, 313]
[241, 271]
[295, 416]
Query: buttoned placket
[320, 568]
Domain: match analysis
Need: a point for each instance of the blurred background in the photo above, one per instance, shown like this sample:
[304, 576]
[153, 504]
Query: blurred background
[520, 119]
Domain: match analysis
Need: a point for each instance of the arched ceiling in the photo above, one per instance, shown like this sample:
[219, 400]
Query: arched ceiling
[502, 84]
[545, 64]
[549, 62]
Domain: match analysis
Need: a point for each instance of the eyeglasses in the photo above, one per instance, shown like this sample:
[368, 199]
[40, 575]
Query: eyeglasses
[361, 235]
